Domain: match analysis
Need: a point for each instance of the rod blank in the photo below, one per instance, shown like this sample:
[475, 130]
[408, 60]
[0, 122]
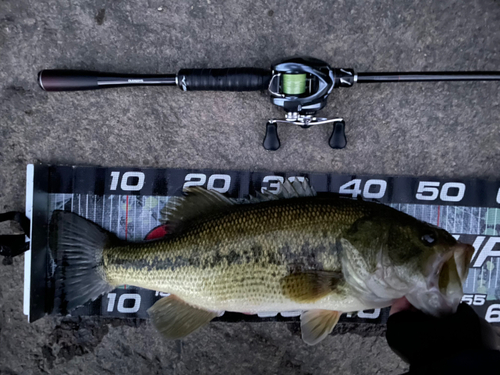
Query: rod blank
[425, 77]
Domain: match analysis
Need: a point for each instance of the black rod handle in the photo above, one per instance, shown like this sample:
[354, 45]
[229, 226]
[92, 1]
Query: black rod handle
[228, 79]
[426, 76]
[76, 80]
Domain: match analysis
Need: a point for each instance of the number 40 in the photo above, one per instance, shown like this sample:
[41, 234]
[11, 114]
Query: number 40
[353, 188]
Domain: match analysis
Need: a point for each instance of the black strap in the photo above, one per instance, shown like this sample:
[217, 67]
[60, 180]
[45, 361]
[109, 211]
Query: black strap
[12, 245]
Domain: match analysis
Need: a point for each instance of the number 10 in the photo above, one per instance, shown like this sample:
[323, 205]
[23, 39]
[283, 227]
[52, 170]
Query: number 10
[125, 185]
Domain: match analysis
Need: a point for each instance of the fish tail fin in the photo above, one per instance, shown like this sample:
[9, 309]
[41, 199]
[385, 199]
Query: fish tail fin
[77, 246]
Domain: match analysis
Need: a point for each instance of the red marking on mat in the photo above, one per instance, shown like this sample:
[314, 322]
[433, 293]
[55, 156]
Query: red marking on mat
[158, 232]
[126, 227]
[439, 212]
[126, 219]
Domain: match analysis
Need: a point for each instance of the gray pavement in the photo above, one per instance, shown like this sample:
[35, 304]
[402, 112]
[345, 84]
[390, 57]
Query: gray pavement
[442, 129]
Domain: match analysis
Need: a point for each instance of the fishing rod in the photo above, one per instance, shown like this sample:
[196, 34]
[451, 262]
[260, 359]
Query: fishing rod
[299, 85]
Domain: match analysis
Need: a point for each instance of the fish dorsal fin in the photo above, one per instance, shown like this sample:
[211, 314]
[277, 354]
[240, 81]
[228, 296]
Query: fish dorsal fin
[199, 202]
[286, 190]
[296, 189]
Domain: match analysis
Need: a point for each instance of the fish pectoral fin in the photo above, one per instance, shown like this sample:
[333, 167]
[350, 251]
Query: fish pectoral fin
[175, 319]
[317, 324]
[309, 286]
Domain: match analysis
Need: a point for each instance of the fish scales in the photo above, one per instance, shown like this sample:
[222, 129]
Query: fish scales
[323, 255]
[237, 260]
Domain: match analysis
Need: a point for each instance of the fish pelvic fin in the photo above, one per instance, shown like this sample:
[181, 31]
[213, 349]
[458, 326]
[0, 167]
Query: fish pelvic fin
[77, 246]
[175, 319]
[317, 324]
[310, 286]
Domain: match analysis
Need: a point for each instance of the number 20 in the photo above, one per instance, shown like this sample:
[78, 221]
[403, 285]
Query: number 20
[199, 179]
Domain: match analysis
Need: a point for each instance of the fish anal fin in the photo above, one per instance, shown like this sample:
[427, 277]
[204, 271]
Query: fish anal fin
[317, 324]
[175, 319]
[310, 286]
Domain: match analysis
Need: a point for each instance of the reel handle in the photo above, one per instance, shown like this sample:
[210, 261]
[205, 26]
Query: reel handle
[271, 139]
[338, 139]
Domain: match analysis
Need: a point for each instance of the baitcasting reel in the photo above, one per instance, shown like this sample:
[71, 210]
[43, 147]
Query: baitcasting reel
[300, 86]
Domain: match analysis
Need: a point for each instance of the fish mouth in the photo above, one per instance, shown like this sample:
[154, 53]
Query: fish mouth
[442, 292]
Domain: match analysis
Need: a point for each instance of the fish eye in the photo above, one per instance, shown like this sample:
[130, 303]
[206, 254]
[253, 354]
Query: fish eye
[429, 239]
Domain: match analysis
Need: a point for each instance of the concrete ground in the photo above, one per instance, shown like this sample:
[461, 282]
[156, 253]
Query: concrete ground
[443, 129]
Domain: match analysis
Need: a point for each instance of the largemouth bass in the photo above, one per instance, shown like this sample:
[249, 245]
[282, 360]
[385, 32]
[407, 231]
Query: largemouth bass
[321, 254]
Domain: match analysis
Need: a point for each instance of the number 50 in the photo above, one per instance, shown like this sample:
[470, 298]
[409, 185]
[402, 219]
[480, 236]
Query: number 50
[429, 191]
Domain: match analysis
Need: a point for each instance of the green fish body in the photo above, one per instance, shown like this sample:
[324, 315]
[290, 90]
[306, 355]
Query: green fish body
[323, 255]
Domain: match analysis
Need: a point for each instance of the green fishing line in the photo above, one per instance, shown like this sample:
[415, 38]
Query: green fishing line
[294, 84]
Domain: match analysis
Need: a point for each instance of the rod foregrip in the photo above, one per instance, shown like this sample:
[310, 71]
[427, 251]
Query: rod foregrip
[229, 79]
